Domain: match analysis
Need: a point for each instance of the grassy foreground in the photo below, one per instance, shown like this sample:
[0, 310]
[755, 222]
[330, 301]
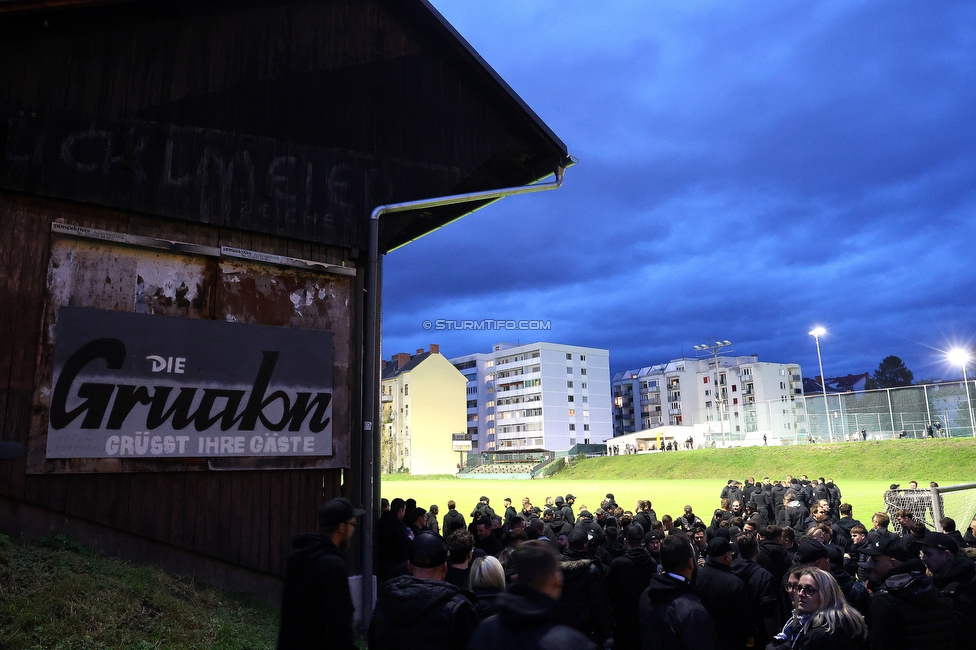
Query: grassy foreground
[863, 471]
[60, 595]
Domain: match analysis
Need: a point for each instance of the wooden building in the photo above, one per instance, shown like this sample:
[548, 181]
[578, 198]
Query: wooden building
[215, 161]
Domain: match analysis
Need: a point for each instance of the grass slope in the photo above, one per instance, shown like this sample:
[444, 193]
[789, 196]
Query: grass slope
[63, 596]
[863, 472]
[945, 461]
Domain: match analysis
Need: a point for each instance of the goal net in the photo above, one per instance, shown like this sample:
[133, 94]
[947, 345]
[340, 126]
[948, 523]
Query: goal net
[929, 506]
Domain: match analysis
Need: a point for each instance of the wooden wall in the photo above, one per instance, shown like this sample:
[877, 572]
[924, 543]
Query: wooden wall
[285, 118]
[245, 518]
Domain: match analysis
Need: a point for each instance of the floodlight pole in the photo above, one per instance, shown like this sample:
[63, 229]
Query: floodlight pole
[969, 402]
[823, 381]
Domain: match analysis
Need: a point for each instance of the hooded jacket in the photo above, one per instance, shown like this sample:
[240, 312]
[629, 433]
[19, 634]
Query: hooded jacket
[583, 603]
[527, 620]
[316, 608]
[628, 577]
[909, 613]
[412, 613]
[727, 602]
[672, 616]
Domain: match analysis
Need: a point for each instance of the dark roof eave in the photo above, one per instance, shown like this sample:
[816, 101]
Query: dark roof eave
[494, 76]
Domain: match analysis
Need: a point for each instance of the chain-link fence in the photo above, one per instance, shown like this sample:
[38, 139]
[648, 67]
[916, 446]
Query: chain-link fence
[931, 410]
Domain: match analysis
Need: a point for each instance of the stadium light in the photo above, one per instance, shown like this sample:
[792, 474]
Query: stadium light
[816, 333]
[959, 357]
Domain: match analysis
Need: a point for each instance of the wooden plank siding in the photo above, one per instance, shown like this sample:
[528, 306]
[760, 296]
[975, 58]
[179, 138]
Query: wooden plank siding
[242, 517]
[289, 118]
[275, 126]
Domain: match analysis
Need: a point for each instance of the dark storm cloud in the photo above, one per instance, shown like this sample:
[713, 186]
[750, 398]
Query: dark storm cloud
[746, 172]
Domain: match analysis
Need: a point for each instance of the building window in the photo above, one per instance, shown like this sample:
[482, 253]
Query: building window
[569, 356]
[570, 398]
[707, 392]
[704, 380]
[406, 389]
[735, 400]
[572, 413]
[734, 388]
[585, 399]
[586, 413]
[582, 357]
[572, 427]
[406, 410]
[582, 371]
[569, 384]
[586, 427]
[584, 386]
[569, 371]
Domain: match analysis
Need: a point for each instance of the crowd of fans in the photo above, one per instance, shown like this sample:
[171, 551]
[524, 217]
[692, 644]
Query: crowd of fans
[780, 564]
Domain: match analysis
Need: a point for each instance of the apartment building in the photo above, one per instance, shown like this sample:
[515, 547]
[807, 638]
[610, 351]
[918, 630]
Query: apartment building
[539, 396]
[728, 399]
[423, 405]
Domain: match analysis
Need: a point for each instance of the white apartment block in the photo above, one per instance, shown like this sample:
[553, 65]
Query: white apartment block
[539, 396]
[728, 399]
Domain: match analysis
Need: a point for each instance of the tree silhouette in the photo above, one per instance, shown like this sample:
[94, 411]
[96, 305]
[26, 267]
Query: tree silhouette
[892, 372]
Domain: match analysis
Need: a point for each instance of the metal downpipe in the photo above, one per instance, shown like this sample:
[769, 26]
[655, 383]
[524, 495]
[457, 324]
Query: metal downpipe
[371, 430]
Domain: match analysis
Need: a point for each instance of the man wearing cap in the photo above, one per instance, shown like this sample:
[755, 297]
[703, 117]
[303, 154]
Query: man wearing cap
[652, 542]
[907, 611]
[955, 577]
[724, 596]
[316, 606]
[422, 610]
[812, 553]
[689, 520]
[486, 510]
[568, 509]
[671, 614]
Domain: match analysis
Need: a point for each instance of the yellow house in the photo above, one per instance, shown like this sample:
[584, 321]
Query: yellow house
[424, 403]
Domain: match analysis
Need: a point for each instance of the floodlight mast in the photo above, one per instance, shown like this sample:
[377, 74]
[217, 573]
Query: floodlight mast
[816, 333]
[960, 357]
[714, 346]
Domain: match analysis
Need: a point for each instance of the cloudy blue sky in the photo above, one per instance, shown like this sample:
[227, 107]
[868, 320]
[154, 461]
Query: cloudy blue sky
[747, 171]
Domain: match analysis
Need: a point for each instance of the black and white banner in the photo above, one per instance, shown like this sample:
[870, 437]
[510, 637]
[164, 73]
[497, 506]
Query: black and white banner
[134, 385]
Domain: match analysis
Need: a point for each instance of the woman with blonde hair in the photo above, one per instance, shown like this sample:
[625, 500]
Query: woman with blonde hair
[487, 582]
[822, 619]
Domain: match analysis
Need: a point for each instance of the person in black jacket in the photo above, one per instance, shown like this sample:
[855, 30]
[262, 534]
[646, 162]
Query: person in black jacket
[627, 578]
[392, 541]
[453, 520]
[583, 603]
[907, 612]
[485, 540]
[762, 589]
[528, 617]
[671, 614]
[724, 597]
[316, 606]
[689, 520]
[421, 610]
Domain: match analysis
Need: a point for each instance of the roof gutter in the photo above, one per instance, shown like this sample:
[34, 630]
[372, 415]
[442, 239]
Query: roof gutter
[370, 451]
